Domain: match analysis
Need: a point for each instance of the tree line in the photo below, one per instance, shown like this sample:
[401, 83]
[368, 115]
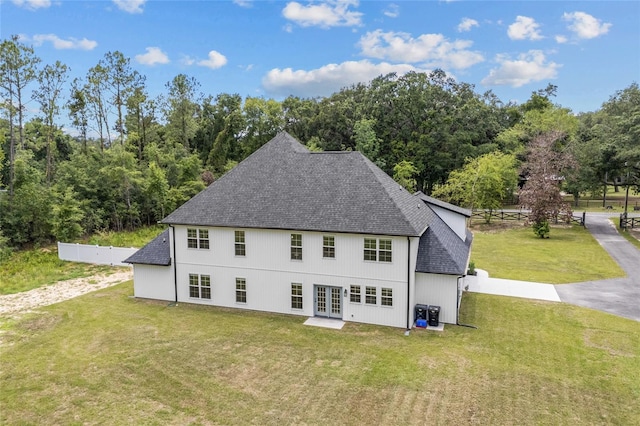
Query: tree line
[134, 158]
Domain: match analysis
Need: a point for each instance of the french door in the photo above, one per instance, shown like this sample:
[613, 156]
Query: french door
[327, 301]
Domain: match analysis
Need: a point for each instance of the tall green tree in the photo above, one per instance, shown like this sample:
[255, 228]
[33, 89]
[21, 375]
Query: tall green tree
[78, 111]
[484, 182]
[51, 80]
[18, 68]
[367, 142]
[121, 81]
[182, 108]
[96, 98]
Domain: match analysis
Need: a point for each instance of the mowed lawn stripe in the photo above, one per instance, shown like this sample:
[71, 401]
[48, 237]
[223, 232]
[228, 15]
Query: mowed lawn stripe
[108, 356]
[570, 255]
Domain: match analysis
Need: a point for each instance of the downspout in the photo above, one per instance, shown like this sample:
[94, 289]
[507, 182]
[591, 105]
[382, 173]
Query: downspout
[175, 264]
[458, 308]
[408, 282]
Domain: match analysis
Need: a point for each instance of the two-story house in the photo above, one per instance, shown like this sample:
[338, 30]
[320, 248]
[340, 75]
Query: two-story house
[310, 233]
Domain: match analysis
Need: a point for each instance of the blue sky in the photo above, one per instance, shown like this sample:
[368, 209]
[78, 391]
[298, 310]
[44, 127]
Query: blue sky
[277, 48]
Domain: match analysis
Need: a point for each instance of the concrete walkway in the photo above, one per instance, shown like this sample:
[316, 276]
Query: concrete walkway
[618, 296]
[481, 283]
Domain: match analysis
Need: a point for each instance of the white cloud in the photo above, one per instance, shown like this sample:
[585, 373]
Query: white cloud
[466, 24]
[328, 79]
[216, 60]
[153, 56]
[187, 60]
[432, 49]
[560, 39]
[32, 4]
[130, 6]
[529, 67]
[330, 13]
[524, 28]
[392, 11]
[243, 3]
[585, 25]
[60, 44]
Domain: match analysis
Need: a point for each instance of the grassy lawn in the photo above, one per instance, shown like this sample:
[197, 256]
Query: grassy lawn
[571, 254]
[632, 235]
[28, 269]
[108, 357]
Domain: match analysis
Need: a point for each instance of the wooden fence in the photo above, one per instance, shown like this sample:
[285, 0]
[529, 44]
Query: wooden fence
[100, 255]
[629, 222]
[519, 215]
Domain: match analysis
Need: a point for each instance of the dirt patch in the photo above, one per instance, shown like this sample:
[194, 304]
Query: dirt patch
[12, 305]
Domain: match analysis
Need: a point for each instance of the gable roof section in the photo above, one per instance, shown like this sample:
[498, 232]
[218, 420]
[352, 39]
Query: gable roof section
[156, 252]
[285, 186]
[440, 250]
[443, 204]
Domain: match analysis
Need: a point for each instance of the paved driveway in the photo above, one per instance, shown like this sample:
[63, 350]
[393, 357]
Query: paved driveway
[619, 296]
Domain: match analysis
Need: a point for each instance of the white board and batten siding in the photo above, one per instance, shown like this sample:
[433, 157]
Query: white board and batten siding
[153, 282]
[456, 221]
[269, 272]
[439, 290]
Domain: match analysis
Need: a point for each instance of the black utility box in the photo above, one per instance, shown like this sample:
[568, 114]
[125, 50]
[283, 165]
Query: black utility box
[421, 312]
[434, 315]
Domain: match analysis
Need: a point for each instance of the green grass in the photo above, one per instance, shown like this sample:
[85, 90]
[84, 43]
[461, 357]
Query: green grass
[105, 357]
[137, 238]
[626, 233]
[28, 269]
[571, 254]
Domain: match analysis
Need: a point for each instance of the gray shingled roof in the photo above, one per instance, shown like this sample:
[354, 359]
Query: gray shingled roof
[440, 250]
[443, 204]
[285, 186]
[156, 252]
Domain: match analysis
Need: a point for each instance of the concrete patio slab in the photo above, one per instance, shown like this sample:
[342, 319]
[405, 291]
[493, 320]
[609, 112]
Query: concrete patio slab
[335, 324]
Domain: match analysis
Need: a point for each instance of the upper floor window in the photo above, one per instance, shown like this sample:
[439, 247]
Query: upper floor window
[240, 244]
[198, 238]
[296, 246]
[377, 249]
[200, 286]
[370, 249]
[328, 246]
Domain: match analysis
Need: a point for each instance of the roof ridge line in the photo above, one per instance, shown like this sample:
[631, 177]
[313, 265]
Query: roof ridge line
[374, 170]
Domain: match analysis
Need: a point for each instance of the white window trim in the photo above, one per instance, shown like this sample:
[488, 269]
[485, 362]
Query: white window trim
[377, 250]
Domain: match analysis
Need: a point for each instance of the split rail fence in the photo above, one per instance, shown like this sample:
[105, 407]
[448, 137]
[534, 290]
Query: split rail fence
[519, 215]
[100, 255]
[629, 222]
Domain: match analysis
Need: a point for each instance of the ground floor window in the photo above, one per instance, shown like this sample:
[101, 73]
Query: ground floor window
[241, 290]
[296, 296]
[200, 286]
[355, 295]
[386, 296]
[370, 296]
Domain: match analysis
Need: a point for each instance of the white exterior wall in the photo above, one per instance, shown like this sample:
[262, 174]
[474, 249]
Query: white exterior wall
[153, 282]
[456, 221]
[269, 272]
[439, 290]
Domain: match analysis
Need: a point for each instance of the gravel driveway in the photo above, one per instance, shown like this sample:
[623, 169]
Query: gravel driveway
[19, 303]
